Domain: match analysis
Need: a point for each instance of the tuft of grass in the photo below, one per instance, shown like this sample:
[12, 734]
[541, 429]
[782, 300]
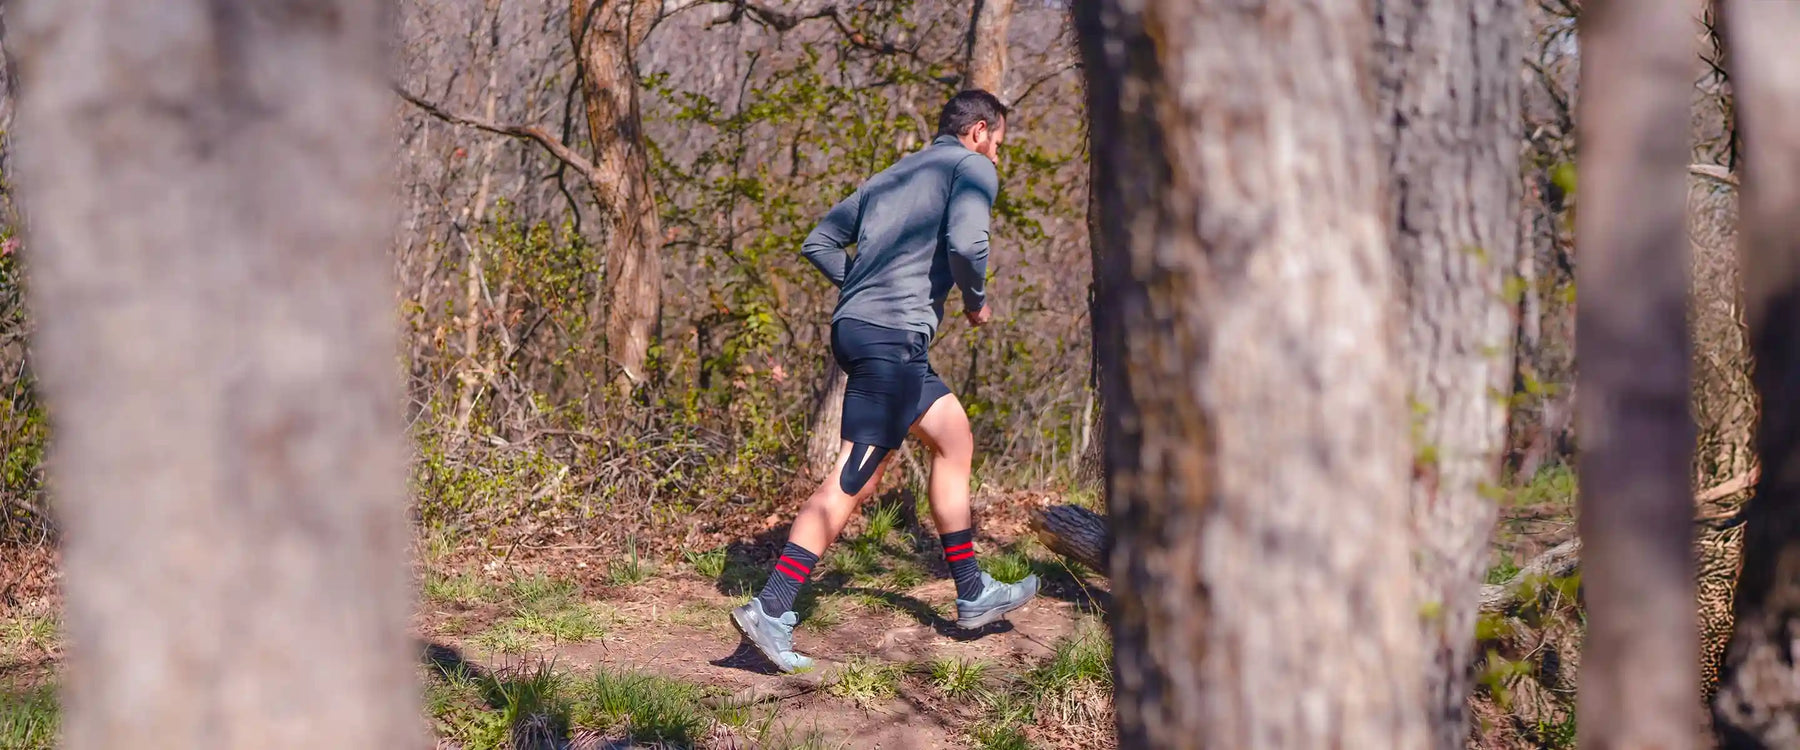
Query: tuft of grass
[959, 679]
[1010, 566]
[882, 523]
[1083, 658]
[1000, 737]
[709, 564]
[503, 638]
[699, 614]
[867, 683]
[483, 712]
[1552, 485]
[905, 575]
[29, 719]
[541, 593]
[741, 578]
[628, 570]
[462, 588]
[647, 708]
[821, 612]
[572, 625]
[858, 559]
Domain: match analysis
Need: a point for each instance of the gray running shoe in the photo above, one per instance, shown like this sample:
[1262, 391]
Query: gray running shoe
[773, 636]
[995, 601]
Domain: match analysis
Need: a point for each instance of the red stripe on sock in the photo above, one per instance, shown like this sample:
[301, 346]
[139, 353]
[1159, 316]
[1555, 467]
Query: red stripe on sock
[796, 564]
[959, 547]
[789, 572]
[956, 558]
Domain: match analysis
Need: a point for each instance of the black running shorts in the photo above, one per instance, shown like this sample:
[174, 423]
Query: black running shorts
[890, 383]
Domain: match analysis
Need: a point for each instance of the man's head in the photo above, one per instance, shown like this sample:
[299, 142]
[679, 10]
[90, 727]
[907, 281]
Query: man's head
[978, 119]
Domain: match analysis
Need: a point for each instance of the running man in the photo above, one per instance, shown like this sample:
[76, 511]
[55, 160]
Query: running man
[919, 227]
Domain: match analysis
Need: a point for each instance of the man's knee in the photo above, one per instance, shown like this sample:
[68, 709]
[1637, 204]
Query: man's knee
[862, 465]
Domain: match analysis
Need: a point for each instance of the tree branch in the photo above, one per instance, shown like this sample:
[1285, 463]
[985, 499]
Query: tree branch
[531, 133]
[781, 21]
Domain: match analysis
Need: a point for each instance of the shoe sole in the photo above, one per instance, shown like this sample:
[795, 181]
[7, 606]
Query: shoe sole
[988, 617]
[744, 629]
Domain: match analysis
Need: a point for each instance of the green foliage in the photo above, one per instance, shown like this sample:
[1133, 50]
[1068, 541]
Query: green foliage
[867, 683]
[480, 712]
[628, 570]
[709, 564]
[1502, 571]
[29, 718]
[646, 708]
[959, 678]
[460, 588]
[1000, 737]
[541, 593]
[1010, 566]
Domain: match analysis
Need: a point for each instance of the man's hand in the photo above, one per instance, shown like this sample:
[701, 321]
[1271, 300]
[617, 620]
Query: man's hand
[979, 318]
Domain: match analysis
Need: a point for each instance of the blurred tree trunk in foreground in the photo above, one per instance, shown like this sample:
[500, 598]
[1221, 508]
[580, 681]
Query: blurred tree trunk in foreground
[1758, 702]
[1450, 120]
[207, 186]
[1639, 684]
[1256, 405]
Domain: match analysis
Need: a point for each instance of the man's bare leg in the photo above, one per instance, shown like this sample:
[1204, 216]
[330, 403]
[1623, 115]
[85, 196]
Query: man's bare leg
[945, 430]
[828, 510]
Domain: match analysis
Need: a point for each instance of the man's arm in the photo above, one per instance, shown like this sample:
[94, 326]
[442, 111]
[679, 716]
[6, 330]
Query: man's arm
[972, 191]
[824, 246]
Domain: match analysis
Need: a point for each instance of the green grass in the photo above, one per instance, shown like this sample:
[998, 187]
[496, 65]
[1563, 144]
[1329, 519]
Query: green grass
[480, 712]
[462, 588]
[959, 679]
[1503, 570]
[867, 683]
[1084, 657]
[709, 564]
[904, 575]
[820, 613]
[646, 708]
[572, 625]
[1000, 737]
[542, 593]
[883, 521]
[628, 570]
[1553, 485]
[1010, 566]
[29, 718]
[503, 639]
[858, 560]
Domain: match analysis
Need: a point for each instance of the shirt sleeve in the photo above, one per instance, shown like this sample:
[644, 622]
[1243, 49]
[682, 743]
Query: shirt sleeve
[972, 192]
[824, 246]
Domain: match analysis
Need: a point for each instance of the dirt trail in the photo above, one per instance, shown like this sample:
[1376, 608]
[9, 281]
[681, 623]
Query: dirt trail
[679, 628]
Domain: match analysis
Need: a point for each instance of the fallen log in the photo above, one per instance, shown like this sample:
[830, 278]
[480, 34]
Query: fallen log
[1083, 536]
[1074, 532]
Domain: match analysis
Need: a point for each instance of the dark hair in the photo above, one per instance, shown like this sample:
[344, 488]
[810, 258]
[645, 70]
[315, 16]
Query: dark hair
[970, 107]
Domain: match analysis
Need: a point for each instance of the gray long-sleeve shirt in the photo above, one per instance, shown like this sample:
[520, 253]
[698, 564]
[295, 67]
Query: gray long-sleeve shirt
[918, 226]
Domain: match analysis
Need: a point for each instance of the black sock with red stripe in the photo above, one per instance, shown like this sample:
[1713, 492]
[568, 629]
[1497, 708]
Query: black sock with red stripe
[791, 569]
[959, 551]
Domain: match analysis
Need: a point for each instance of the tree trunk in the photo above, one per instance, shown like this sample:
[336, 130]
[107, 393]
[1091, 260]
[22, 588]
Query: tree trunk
[605, 36]
[218, 348]
[1758, 703]
[1639, 685]
[1256, 409]
[984, 64]
[824, 434]
[1450, 98]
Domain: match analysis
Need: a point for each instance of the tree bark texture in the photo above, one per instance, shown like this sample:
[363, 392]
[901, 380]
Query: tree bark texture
[1256, 406]
[1639, 686]
[985, 64]
[1450, 120]
[1758, 702]
[605, 36]
[825, 435]
[208, 186]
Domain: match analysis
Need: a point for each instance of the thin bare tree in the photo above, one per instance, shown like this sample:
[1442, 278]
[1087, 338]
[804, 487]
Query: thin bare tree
[206, 184]
[1450, 121]
[1758, 701]
[1639, 681]
[1256, 420]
